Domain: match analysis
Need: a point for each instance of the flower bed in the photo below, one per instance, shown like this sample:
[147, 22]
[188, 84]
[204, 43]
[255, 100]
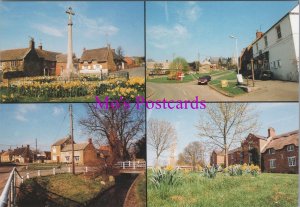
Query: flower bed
[50, 88]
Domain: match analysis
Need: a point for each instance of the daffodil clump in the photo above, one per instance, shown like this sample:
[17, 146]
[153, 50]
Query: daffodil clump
[165, 177]
[50, 88]
[10, 98]
[237, 170]
[209, 171]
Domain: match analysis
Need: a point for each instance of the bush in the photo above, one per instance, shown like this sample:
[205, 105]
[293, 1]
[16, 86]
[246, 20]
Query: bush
[13, 74]
[238, 170]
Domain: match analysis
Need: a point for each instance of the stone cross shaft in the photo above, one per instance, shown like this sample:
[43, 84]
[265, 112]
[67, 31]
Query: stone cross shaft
[69, 69]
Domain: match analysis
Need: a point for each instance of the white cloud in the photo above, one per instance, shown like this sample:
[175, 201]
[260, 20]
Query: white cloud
[190, 12]
[162, 36]
[49, 30]
[57, 110]
[92, 27]
[22, 111]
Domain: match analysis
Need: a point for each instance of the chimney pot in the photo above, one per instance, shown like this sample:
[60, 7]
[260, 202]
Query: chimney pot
[90, 141]
[40, 46]
[31, 43]
[259, 34]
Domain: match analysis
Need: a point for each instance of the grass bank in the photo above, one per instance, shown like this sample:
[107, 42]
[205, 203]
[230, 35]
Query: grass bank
[268, 190]
[61, 190]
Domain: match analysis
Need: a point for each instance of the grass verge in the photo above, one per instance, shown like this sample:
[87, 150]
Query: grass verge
[268, 190]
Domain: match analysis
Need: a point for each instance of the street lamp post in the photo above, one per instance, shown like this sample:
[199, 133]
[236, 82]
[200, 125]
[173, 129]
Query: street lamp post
[236, 52]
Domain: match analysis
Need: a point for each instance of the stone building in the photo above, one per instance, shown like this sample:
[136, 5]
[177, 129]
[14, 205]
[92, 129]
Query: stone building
[28, 61]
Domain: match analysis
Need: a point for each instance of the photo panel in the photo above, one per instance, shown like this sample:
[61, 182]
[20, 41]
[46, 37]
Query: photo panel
[222, 50]
[227, 154]
[71, 51]
[72, 155]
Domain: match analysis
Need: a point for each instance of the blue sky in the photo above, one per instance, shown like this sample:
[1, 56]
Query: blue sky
[20, 124]
[283, 117]
[184, 28]
[123, 22]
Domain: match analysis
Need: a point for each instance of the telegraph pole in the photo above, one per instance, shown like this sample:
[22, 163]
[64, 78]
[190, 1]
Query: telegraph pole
[35, 148]
[72, 138]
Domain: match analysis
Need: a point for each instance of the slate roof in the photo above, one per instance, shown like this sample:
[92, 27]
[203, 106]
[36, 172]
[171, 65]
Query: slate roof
[77, 147]
[280, 141]
[47, 55]
[61, 141]
[14, 54]
[22, 151]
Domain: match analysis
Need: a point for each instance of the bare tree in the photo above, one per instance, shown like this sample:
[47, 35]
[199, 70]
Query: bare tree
[193, 154]
[120, 52]
[160, 136]
[120, 128]
[225, 125]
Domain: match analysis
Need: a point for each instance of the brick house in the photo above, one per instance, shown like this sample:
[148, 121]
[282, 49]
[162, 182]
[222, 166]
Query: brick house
[84, 153]
[281, 154]
[6, 156]
[57, 147]
[61, 63]
[29, 61]
[22, 155]
[235, 156]
[217, 158]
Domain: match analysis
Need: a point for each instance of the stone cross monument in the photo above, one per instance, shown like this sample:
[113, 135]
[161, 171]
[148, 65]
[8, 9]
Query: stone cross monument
[69, 69]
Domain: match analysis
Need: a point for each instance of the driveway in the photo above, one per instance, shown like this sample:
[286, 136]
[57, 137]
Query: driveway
[266, 91]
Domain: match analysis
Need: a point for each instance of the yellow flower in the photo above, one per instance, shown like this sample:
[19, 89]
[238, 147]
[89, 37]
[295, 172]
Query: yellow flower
[169, 168]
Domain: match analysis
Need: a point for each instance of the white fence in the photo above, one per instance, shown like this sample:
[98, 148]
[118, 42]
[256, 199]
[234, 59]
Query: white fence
[131, 165]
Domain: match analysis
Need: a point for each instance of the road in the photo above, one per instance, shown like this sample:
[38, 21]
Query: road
[136, 72]
[267, 91]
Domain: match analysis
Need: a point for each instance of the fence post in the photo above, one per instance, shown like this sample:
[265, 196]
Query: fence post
[15, 191]
[86, 169]
[129, 164]
[39, 173]
[54, 171]
[123, 165]
[133, 164]
[69, 169]
[27, 175]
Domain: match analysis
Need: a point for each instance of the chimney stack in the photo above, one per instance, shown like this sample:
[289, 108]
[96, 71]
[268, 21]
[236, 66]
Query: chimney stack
[271, 132]
[90, 141]
[40, 46]
[84, 49]
[259, 34]
[31, 43]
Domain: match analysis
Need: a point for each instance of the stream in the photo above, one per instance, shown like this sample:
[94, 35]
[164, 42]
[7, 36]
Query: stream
[115, 196]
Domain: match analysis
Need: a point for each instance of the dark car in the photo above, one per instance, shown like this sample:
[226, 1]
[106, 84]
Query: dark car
[204, 80]
[267, 75]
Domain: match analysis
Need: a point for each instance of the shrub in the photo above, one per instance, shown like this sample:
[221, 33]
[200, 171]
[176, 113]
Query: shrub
[238, 170]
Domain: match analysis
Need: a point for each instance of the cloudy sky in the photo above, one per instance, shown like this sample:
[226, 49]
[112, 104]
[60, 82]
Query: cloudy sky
[186, 28]
[283, 117]
[94, 24]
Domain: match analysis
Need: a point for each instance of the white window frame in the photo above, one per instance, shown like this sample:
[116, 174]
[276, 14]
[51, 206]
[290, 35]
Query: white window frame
[272, 163]
[290, 148]
[293, 163]
[271, 151]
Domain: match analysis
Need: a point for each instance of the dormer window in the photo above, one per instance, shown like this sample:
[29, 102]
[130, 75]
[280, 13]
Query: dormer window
[271, 151]
[290, 148]
[278, 31]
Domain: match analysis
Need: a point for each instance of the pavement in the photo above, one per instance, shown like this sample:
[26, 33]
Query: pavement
[272, 90]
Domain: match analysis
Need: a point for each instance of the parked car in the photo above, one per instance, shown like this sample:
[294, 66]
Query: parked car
[204, 80]
[267, 75]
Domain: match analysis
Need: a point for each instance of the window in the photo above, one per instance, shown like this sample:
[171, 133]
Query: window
[279, 63]
[273, 163]
[278, 30]
[292, 161]
[54, 149]
[290, 148]
[271, 151]
[256, 47]
[266, 41]
[76, 158]
[67, 158]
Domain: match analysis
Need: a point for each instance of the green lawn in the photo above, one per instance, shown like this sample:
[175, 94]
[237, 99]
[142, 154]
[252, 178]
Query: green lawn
[164, 79]
[61, 189]
[141, 191]
[43, 166]
[265, 190]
